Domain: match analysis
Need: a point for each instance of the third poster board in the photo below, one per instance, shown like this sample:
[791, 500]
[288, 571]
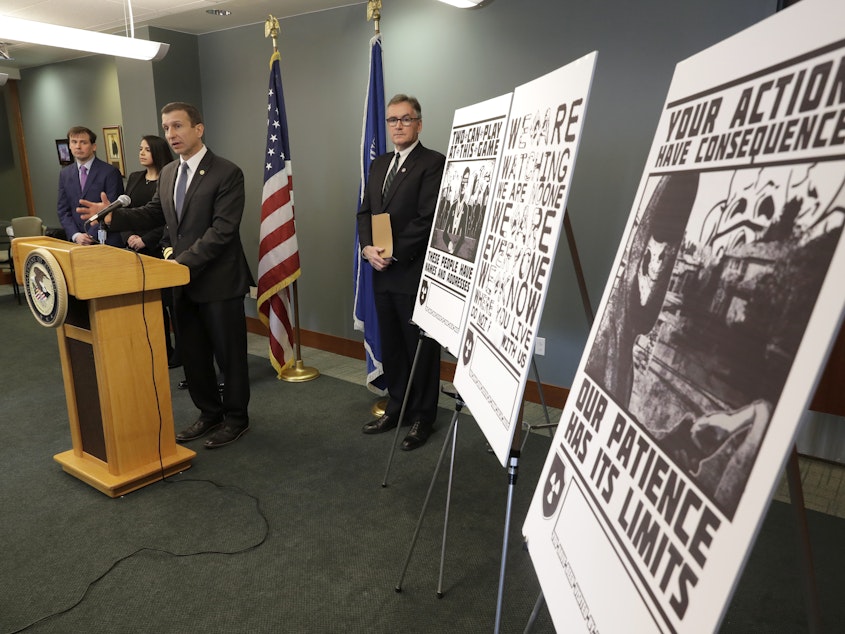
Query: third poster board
[714, 327]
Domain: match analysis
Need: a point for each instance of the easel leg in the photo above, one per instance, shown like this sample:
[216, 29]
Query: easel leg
[805, 553]
[579, 272]
[402, 410]
[534, 613]
[549, 424]
[513, 465]
[448, 504]
[449, 435]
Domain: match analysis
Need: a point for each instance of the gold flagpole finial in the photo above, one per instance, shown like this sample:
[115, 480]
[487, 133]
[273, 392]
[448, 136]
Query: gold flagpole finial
[374, 13]
[271, 29]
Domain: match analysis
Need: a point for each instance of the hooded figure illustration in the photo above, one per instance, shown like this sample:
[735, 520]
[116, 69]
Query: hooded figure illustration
[641, 284]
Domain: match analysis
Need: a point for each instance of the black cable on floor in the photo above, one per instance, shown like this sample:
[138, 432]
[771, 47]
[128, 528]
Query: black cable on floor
[166, 480]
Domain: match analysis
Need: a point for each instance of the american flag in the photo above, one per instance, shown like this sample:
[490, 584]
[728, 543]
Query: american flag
[278, 252]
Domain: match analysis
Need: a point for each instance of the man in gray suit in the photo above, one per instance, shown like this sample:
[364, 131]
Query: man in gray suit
[200, 199]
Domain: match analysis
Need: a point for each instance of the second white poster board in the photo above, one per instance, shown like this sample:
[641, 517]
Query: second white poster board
[518, 247]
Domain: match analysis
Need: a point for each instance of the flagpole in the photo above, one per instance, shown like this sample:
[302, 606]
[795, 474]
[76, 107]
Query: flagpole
[299, 372]
[374, 13]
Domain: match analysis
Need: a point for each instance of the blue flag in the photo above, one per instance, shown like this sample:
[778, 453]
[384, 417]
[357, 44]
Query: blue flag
[373, 143]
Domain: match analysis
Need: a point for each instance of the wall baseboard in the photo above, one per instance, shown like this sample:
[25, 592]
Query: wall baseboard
[553, 395]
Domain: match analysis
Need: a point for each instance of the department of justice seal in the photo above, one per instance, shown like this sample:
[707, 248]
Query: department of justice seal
[46, 290]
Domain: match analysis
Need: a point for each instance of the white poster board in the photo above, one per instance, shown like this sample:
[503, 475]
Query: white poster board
[475, 145]
[724, 299]
[518, 247]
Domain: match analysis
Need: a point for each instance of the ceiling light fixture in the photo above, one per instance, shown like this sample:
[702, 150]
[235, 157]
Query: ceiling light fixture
[4, 51]
[222, 12]
[27, 31]
[466, 4]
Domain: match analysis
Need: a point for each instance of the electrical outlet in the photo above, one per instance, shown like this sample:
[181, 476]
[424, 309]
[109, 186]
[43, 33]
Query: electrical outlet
[540, 346]
[253, 292]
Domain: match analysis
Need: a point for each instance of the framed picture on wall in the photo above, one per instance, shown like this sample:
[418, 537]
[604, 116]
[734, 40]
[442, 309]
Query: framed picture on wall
[63, 150]
[113, 140]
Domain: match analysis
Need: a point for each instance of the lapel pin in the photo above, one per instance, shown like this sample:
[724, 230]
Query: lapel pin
[202, 172]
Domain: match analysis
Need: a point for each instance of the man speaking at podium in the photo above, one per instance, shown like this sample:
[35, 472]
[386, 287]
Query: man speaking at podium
[200, 198]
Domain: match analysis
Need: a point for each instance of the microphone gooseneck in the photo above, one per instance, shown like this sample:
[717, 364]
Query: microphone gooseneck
[122, 201]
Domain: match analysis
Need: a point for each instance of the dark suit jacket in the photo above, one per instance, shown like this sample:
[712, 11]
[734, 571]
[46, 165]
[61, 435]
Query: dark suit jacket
[102, 177]
[410, 201]
[455, 232]
[207, 240]
[141, 193]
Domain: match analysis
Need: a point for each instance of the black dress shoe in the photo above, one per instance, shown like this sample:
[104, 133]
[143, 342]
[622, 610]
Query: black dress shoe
[379, 425]
[197, 430]
[417, 436]
[174, 363]
[225, 434]
[183, 385]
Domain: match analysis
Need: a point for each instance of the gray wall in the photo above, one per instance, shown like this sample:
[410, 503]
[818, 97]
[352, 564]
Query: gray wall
[145, 87]
[177, 76]
[448, 58]
[55, 98]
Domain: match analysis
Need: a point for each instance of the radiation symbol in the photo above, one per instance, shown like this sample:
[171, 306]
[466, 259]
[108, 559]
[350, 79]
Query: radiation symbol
[469, 339]
[553, 491]
[423, 291]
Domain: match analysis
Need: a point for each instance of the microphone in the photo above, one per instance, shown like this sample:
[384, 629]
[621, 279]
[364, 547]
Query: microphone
[122, 201]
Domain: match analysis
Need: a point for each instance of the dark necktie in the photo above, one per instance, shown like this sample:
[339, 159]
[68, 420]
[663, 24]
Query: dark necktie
[83, 176]
[391, 174]
[181, 186]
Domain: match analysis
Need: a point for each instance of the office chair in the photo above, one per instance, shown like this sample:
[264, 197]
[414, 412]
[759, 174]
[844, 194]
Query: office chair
[6, 257]
[22, 227]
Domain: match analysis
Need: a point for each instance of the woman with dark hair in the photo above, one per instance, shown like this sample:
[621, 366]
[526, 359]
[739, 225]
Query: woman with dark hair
[153, 154]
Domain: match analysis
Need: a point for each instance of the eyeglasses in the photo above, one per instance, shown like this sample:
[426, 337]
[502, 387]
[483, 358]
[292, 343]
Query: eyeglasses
[406, 120]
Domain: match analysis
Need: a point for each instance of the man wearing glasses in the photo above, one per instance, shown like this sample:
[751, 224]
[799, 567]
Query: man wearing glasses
[403, 184]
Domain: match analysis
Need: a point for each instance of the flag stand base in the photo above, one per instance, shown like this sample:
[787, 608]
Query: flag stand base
[379, 408]
[299, 373]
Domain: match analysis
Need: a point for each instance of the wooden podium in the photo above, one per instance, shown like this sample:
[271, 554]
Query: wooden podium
[114, 363]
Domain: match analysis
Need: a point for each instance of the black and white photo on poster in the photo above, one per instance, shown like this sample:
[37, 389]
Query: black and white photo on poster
[449, 269]
[461, 206]
[518, 245]
[715, 323]
[709, 307]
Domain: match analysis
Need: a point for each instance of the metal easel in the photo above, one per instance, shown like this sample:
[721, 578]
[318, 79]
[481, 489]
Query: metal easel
[451, 435]
[423, 336]
[513, 465]
[513, 459]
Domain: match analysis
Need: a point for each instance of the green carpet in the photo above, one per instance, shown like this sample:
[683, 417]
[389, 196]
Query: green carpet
[334, 541]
